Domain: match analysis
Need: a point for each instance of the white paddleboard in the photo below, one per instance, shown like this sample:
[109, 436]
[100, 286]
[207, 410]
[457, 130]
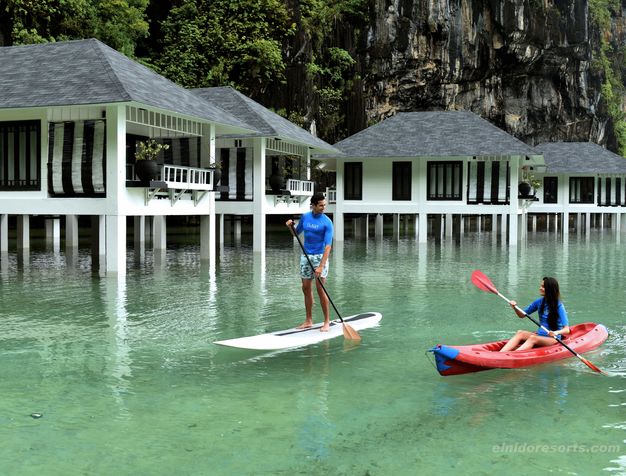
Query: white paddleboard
[300, 337]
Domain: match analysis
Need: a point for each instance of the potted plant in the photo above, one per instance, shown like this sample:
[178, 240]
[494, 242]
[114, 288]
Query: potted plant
[146, 165]
[528, 184]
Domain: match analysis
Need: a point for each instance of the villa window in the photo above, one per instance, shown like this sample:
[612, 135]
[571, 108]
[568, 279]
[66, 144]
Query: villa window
[618, 191]
[581, 189]
[20, 155]
[401, 184]
[550, 189]
[444, 181]
[353, 181]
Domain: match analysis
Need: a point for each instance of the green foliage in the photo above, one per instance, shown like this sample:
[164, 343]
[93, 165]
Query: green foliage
[118, 23]
[220, 42]
[149, 149]
[609, 60]
[330, 68]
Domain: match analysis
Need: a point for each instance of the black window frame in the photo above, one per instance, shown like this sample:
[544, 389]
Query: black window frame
[584, 181]
[550, 190]
[32, 182]
[402, 179]
[447, 168]
[353, 181]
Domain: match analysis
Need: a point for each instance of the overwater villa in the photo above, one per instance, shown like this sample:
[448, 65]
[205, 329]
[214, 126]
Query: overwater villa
[438, 171]
[73, 113]
[584, 187]
[436, 167]
[71, 117]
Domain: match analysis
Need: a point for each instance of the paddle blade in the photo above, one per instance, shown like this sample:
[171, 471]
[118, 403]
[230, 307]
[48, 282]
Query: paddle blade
[483, 282]
[590, 365]
[349, 333]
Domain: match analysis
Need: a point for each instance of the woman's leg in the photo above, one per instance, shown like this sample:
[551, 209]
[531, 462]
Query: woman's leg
[517, 339]
[536, 341]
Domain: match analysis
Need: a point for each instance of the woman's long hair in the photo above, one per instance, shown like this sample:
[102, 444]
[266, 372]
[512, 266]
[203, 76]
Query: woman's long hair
[551, 299]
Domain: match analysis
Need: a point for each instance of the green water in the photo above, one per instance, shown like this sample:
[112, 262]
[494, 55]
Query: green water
[128, 382]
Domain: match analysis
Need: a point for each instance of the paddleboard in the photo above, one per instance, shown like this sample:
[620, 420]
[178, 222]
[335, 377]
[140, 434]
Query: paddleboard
[301, 337]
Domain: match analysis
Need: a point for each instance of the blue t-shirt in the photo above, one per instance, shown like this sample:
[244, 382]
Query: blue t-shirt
[318, 232]
[543, 316]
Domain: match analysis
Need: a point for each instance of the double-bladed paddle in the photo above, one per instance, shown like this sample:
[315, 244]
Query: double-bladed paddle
[348, 332]
[483, 282]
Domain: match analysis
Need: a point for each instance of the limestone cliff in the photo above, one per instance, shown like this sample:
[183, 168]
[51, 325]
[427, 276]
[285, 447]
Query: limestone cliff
[528, 66]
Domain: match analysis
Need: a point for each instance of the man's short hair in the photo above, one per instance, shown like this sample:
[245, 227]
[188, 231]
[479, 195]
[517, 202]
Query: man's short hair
[317, 198]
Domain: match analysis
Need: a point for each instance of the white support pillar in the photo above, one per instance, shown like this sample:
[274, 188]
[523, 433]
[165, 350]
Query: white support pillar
[115, 229]
[494, 223]
[535, 223]
[565, 223]
[53, 233]
[23, 232]
[378, 229]
[396, 226]
[587, 223]
[259, 206]
[422, 227]
[71, 232]
[416, 229]
[237, 228]
[448, 225]
[205, 242]
[98, 237]
[504, 225]
[338, 225]
[160, 232]
[139, 232]
[4, 233]
[220, 229]
[356, 227]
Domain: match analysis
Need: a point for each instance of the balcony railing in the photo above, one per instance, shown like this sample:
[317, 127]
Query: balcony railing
[179, 177]
[188, 178]
[300, 187]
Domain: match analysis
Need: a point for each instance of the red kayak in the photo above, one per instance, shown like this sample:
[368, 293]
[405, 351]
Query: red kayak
[462, 359]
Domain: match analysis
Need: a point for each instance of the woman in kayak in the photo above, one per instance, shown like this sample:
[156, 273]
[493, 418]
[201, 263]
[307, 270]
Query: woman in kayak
[552, 316]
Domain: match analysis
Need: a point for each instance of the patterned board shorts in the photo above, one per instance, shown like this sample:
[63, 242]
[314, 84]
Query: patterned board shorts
[305, 269]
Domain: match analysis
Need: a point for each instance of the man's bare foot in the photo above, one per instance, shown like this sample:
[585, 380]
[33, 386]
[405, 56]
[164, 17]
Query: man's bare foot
[325, 327]
[305, 325]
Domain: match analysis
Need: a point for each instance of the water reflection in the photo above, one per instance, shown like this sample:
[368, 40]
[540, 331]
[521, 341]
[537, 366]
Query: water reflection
[119, 362]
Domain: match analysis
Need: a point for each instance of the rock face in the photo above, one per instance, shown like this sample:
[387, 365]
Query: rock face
[525, 65]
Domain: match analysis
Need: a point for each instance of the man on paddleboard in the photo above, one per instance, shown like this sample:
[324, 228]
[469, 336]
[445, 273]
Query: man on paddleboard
[318, 237]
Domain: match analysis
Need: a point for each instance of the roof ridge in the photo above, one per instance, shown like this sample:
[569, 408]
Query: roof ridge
[242, 98]
[103, 58]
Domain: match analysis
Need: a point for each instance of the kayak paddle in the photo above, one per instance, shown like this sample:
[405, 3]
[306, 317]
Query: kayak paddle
[483, 282]
[348, 332]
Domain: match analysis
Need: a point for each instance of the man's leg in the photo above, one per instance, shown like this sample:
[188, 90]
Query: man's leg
[323, 302]
[307, 290]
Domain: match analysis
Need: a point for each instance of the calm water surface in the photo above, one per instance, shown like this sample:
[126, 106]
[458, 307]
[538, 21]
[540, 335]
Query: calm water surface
[128, 381]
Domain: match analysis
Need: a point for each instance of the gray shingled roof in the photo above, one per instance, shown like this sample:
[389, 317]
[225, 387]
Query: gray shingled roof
[89, 72]
[268, 123]
[580, 157]
[433, 134]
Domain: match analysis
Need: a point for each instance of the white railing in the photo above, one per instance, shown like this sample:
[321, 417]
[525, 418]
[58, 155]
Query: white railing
[300, 187]
[331, 195]
[187, 178]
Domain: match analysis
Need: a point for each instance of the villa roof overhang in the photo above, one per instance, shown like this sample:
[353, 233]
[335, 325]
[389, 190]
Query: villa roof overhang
[87, 72]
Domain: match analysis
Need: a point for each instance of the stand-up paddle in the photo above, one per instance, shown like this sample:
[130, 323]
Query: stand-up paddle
[484, 283]
[348, 332]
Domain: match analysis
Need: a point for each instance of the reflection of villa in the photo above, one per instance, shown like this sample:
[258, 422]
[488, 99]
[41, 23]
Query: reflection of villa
[71, 115]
